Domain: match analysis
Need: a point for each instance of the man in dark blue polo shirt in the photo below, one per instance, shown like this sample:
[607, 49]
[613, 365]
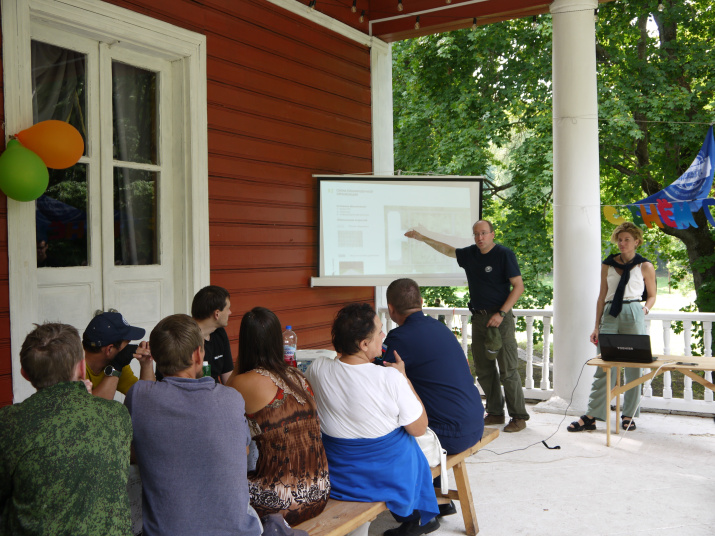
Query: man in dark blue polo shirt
[437, 367]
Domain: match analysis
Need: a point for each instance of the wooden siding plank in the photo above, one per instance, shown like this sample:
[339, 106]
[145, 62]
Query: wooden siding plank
[348, 81]
[266, 190]
[5, 390]
[267, 106]
[224, 235]
[312, 160]
[356, 105]
[225, 168]
[232, 122]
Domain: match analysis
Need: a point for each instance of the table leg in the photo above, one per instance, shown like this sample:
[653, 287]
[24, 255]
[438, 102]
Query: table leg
[618, 399]
[608, 406]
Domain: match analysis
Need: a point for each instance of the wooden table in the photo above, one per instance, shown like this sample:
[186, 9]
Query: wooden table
[660, 365]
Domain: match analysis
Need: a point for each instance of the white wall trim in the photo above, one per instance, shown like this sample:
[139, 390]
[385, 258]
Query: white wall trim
[113, 25]
[326, 22]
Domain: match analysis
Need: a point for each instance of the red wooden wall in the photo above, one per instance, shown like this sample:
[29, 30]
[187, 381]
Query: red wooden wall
[286, 99]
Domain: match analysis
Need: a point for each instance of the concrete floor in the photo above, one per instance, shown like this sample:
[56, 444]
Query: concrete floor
[656, 480]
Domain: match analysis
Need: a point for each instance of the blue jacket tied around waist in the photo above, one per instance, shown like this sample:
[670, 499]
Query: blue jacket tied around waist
[390, 468]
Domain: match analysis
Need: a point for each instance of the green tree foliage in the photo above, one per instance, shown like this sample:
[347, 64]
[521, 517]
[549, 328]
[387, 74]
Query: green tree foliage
[656, 96]
[459, 98]
[479, 101]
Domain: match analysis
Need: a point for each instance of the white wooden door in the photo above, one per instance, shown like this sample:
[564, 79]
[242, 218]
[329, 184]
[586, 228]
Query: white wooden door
[128, 228]
[74, 251]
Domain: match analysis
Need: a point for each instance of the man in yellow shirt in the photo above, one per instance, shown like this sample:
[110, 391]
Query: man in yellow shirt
[108, 354]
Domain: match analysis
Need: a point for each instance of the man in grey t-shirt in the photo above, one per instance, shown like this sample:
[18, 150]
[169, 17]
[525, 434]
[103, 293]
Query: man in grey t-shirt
[188, 437]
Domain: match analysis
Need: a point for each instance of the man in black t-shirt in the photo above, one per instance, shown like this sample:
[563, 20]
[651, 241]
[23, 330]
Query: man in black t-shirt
[211, 309]
[495, 285]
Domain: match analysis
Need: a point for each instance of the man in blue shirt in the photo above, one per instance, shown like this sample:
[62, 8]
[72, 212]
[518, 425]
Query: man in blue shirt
[189, 438]
[437, 367]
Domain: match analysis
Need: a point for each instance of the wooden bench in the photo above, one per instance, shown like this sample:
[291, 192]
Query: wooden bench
[341, 517]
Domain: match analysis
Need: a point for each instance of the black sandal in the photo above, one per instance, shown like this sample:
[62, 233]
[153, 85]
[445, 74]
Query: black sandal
[588, 424]
[628, 425]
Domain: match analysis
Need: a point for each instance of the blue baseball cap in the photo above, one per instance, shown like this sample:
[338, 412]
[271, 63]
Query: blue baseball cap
[108, 328]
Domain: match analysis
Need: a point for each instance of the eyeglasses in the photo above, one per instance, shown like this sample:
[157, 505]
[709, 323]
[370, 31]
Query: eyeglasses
[483, 233]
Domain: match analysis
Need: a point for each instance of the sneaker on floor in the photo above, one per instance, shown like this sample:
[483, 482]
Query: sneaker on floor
[494, 419]
[413, 528]
[515, 425]
[447, 509]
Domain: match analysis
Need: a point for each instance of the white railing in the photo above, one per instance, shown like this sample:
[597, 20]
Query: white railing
[668, 343]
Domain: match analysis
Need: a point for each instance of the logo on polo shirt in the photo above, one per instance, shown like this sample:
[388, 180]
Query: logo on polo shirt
[218, 356]
[488, 269]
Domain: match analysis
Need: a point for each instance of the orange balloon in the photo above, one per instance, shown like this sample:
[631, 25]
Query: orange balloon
[58, 143]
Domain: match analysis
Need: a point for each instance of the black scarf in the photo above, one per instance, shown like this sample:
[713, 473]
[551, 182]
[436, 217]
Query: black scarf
[617, 303]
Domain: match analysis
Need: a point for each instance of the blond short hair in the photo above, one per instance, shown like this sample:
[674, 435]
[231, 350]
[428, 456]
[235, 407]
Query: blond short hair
[630, 228]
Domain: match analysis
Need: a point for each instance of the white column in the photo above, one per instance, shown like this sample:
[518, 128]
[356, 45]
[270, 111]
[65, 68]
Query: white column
[383, 160]
[577, 222]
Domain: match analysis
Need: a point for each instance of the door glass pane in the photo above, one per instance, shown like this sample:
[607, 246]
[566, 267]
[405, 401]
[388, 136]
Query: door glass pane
[135, 217]
[58, 92]
[61, 219]
[134, 113]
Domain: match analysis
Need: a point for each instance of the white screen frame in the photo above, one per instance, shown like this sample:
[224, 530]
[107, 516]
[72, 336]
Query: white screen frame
[456, 277]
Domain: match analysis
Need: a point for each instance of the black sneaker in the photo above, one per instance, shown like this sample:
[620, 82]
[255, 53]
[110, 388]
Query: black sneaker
[447, 509]
[413, 528]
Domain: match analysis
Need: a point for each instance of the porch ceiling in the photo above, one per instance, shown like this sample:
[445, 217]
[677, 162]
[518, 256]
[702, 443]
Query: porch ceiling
[383, 19]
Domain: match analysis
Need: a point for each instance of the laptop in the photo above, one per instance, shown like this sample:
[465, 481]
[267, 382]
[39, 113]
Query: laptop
[625, 348]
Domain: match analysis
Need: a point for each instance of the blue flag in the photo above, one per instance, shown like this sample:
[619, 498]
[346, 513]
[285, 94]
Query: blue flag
[694, 185]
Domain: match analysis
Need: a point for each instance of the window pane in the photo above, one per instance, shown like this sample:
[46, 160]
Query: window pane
[58, 92]
[135, 217]
[134, 113]
[58, 86]
[61, 219]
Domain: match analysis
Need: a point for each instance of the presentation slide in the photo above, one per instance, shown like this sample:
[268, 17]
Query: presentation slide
[363, 223]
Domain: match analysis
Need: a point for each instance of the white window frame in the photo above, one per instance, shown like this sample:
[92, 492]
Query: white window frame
[186, 50]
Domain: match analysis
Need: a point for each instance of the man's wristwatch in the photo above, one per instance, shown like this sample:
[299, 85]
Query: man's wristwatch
[502, 313]
[109, 370]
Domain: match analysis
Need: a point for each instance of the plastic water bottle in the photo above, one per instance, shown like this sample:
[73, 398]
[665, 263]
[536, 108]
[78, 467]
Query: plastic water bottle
[290, 343]
[207, 369]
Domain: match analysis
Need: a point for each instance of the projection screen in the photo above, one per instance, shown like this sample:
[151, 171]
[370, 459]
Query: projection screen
[363, 221]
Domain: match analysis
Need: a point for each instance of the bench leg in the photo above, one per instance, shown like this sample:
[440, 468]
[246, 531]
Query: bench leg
[465, 499]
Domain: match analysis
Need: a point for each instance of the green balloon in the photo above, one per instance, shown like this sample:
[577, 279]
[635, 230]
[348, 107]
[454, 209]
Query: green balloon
[23, 174]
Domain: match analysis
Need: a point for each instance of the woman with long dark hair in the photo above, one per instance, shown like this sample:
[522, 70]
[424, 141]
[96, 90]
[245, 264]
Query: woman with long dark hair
[291, 474]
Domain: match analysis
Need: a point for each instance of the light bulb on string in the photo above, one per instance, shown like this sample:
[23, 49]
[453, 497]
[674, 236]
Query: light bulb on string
[534, 22]
[417, 23]
[661, 7]
[311, 5]
[595, 15]
[447, 1]
[399, 5]
[474, 23]
[354, 8]
[362, 16]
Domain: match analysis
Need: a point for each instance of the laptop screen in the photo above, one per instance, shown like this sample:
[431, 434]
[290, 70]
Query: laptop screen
[625, 348]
